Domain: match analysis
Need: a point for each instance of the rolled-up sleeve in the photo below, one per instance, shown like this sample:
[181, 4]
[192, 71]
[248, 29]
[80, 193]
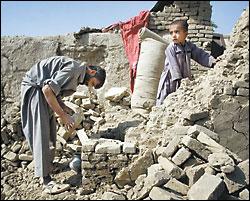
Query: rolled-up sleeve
[53, 85]
[61, 78]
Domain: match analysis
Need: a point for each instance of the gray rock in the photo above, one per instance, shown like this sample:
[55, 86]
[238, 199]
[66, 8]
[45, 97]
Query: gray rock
[208, 187]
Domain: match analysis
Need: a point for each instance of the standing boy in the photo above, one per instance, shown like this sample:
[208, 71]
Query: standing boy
[177, 63]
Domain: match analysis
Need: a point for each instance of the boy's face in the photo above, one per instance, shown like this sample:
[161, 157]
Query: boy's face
[178, 34]
[91, 81]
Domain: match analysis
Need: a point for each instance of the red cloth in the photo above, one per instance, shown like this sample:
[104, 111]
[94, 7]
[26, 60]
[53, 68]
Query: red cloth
[129, 32]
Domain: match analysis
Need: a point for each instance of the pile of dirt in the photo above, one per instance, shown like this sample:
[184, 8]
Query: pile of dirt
[216, 101]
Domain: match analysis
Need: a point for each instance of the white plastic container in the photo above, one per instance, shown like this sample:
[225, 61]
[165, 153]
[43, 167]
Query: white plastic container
[75, 164]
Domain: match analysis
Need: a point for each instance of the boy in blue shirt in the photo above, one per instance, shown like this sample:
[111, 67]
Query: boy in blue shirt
[177, 63]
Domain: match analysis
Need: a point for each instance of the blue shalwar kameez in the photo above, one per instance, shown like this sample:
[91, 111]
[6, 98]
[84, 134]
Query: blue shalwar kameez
[177, 67]
[63, 75]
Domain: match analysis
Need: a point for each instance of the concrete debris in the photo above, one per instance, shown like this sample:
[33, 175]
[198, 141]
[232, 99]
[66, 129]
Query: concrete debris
[194, 146]
[115, 94]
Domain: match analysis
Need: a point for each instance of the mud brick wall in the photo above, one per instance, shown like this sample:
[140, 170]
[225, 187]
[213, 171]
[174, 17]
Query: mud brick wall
[103, 158]
[197, 14]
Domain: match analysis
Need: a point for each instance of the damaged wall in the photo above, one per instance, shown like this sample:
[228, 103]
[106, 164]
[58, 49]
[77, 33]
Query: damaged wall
[180, 156]
[197, 13]
[18, 54]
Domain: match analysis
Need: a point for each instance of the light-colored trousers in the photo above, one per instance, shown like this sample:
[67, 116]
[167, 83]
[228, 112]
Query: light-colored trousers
[39, 128]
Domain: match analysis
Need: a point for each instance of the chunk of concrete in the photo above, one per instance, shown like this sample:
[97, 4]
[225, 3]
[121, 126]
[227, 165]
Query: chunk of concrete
[196, 146]
[170, 167]
[235, 180]
[208, 187]
[177, 186]
[181, 156]
[158, 193]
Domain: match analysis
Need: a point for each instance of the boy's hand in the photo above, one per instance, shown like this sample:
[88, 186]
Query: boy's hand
[68, 110]
[139, 38]
[68, 122]
[178, 83]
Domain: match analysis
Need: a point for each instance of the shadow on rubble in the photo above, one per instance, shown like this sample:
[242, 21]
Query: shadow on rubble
[74, 178]
[59, 167]
[119, 132]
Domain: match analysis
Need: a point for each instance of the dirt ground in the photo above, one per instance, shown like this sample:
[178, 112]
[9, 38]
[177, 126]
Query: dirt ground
[19, 183]
[22, 185]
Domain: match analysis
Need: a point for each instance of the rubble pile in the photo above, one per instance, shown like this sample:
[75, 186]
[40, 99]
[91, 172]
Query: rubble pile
[218, 100]
[187, 149]
[193, 167]
[91, 123]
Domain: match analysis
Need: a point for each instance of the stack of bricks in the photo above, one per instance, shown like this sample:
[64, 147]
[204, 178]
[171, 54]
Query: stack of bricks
[193, 166]
[197, 14]
[88, 114]
[103, 158]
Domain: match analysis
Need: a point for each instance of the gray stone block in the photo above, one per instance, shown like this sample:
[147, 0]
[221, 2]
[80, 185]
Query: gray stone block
[181, 156]
[235, 180]
[158, 193]
[208, 187]
[196, 146]
[170, 167]
[177, 186]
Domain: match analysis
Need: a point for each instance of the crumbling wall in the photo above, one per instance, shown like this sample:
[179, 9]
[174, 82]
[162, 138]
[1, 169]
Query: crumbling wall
[197, 14]
[18, 54]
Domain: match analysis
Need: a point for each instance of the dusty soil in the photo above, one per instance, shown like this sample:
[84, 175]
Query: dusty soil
[22, 185]
[19, 183]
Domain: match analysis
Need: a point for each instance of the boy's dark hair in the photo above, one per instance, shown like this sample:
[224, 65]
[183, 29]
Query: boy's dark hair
[182, 23]
[100, 75]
